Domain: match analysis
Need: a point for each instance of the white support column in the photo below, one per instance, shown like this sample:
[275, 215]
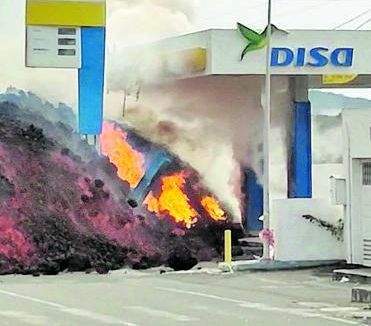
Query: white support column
[300, 84]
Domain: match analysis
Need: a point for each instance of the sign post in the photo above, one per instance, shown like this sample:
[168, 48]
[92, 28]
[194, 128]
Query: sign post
[71, 34]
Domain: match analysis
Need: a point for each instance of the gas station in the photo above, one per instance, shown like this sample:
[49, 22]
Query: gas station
[300, 60]
[71, 34]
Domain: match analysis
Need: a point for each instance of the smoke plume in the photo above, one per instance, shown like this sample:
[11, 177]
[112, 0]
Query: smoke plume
[214, 124]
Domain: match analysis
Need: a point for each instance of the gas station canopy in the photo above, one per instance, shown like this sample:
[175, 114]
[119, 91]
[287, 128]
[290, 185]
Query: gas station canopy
[328, 57]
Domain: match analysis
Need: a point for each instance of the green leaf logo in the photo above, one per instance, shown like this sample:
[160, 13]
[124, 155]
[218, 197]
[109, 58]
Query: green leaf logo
[255, 40]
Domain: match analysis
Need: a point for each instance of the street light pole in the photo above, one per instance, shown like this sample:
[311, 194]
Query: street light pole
[266, 138]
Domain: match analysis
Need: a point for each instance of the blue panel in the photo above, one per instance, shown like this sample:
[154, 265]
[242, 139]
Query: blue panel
[254, 204]
[91, 80]
[300, 173]
[159, 161]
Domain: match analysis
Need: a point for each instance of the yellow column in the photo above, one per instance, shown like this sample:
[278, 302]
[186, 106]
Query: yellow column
[228, 247]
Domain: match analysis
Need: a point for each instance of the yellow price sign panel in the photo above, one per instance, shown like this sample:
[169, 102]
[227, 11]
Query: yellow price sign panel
[66, 13]
[337, 79]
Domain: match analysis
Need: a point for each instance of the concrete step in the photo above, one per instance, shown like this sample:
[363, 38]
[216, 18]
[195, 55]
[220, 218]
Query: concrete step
[250, 241]
[274, 265]
[354, 275]
[247, 251]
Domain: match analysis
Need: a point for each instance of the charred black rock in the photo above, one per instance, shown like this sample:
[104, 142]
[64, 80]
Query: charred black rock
[78, 263]
[142, 264]
[141, 218]
[181, 258]
[133, 203]
[65, 151]
[6, 188]
[50, 268]
[98, 183]
[85, 198]
[35, 138]
[102, 269]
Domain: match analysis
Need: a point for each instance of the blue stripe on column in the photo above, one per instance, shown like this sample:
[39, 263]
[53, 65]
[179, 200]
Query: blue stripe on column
[91, 80]
[300, 174]
[254, 202]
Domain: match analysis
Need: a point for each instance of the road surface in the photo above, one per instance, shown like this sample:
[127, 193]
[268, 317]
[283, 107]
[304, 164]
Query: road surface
[153, 299]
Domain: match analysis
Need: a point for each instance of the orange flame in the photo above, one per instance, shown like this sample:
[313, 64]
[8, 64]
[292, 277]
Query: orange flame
[152, 203]
[211, 205]
[129, 162]
[173, 201]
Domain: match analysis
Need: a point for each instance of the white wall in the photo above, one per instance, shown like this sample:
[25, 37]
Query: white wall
[296, 238]
[357, 123]
[299, 240]
[321, 174]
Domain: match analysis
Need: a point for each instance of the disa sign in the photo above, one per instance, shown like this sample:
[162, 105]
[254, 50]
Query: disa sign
[316, 57]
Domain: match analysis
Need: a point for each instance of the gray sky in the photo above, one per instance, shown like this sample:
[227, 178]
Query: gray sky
[301, 14]
[55, 85]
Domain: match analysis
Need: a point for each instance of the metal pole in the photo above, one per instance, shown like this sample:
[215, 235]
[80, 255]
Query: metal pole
[266, 137]
[98, 145]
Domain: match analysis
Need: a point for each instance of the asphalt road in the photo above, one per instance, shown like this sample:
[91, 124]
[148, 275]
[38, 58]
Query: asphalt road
[148, 298]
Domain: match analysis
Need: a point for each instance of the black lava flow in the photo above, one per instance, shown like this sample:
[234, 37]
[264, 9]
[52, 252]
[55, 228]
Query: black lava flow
[63, 208]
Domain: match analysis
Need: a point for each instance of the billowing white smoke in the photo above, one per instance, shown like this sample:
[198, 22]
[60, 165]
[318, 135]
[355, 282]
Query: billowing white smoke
[49, 83]
[327, 130]
[214, 124]
[134, 22]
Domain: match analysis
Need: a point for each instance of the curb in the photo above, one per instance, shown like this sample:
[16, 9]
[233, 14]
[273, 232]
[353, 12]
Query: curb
[274, 265]
[352, 275]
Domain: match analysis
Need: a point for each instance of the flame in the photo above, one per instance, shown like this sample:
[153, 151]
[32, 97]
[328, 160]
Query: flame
[173, 201]
[152, 203]
[129, 162]
[211, 205]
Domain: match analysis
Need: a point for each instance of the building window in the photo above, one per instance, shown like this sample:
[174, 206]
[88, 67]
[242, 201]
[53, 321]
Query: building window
[366, 174]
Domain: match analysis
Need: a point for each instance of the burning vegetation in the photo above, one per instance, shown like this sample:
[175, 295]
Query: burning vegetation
[64, 207]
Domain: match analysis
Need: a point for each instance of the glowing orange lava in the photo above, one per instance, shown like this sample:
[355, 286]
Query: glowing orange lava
[129, 162]
[211, 205]
[173, 201]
